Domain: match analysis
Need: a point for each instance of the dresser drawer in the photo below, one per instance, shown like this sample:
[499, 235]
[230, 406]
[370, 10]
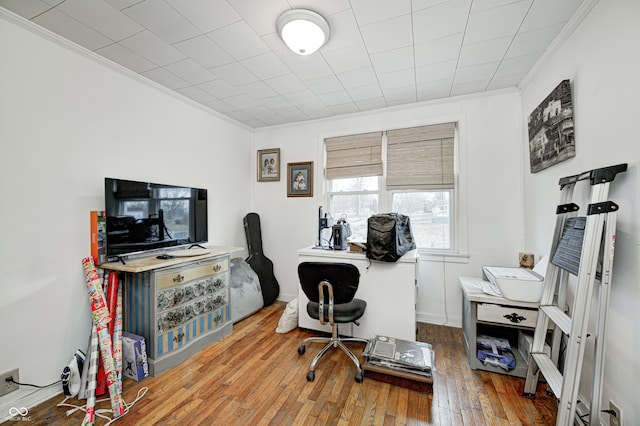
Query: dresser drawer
[179, 276]
[507, 315]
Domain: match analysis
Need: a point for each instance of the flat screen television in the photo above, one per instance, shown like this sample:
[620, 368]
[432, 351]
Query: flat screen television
[144, 216]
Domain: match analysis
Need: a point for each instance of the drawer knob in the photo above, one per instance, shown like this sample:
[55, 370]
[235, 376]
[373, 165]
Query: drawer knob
[178, 278]
[216, 268]
[514, 317]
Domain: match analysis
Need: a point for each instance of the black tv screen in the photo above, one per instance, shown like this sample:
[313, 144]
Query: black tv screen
[144, 216]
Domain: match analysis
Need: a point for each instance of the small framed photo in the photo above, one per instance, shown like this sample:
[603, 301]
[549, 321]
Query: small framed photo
[300, 179]
[269, 165]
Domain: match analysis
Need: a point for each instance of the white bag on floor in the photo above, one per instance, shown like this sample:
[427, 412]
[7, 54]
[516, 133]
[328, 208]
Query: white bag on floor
[289, 319]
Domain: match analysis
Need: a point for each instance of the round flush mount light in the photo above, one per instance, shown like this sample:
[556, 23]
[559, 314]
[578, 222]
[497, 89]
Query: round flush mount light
[303, 31]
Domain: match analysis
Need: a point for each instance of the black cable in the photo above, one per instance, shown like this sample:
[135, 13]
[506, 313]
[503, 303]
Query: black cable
[10, 379]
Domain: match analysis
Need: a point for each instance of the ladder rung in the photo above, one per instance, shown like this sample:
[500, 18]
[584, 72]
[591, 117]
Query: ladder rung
[549, 371]
[558, 317]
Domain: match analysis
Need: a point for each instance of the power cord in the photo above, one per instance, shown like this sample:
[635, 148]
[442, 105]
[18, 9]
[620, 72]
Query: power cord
[10, 379]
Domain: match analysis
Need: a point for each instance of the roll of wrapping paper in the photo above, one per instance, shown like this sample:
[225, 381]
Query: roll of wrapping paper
[90, 413]
[101, 319]
[117, 340]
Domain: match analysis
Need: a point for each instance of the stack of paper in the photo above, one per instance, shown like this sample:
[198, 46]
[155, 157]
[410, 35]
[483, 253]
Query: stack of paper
[402, 355]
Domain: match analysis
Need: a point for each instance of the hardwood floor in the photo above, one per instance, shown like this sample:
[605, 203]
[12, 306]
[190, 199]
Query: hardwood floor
[255, 376]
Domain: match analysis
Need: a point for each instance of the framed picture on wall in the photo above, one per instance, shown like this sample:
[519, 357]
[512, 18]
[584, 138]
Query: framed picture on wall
[268, 165]
[551, 138]
[300, 179]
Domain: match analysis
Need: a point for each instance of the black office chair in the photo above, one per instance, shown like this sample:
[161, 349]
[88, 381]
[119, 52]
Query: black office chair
[330, 288]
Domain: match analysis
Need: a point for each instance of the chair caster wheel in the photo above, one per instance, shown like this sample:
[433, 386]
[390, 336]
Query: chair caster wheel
[301, 350]
[359, 377]
[311, 376]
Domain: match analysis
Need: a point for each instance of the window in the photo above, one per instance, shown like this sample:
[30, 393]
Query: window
[419, 182]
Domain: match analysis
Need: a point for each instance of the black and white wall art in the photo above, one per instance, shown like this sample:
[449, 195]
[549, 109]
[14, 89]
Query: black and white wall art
[551, 137]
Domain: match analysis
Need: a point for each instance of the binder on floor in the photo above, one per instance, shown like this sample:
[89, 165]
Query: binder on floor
[583, 247]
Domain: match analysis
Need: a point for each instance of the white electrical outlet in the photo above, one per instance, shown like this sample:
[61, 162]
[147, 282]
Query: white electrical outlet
[9, 386]
[615, 419]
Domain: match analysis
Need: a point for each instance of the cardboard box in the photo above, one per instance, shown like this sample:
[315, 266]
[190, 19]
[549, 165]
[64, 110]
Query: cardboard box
[134, 356]
[525, 340]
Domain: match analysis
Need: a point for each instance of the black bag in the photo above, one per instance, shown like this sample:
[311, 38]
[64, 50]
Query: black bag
[388, 237]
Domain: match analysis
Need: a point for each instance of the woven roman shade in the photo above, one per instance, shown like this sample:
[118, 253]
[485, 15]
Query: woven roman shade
[421, 157]
[354, 156]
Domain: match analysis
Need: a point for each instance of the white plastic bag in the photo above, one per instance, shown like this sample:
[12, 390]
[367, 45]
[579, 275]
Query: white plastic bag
[289, 319]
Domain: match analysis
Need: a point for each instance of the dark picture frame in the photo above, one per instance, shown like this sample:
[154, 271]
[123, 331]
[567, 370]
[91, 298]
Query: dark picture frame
[268, 165]
[300, 179]
[551, 133]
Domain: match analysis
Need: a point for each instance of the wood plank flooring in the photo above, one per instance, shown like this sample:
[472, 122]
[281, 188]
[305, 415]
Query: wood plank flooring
[256, 377]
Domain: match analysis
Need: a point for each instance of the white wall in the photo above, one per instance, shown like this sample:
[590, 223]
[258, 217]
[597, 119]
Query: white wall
[601, 58]
[66, 122]
[490, 182]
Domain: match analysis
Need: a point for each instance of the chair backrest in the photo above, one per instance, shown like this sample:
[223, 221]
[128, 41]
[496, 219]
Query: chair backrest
[343, 277]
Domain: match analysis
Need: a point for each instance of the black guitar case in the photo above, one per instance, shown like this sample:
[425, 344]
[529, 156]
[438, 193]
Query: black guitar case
[261, 264]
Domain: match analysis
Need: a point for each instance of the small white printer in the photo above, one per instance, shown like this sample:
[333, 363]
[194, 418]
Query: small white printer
[519, 284]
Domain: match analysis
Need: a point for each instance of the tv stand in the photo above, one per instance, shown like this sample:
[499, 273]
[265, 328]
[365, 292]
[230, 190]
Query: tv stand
[179, 305]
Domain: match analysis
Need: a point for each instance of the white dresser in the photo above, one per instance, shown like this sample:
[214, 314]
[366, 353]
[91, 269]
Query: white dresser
[390, 290]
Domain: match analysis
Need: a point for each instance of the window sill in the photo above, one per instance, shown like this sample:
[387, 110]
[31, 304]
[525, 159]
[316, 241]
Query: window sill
[430, 256]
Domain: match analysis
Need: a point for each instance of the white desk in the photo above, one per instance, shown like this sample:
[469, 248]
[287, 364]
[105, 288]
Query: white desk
[390, 290]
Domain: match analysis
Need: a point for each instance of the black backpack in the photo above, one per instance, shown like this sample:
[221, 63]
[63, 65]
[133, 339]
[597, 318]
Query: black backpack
[389, 237]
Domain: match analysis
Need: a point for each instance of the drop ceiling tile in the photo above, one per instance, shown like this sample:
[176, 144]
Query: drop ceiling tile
[436, 72]
[344, 31]
[234, 73]
[274, 102]
[469, 88]
[441, 20]
[335, 98]
[260, 15]
[389, 34]
[315, 110]
[324, 7]
[204, 51]
[241, 101]
[400, 95]
[54, 2]
[121, 4]
[256, 90]
[434, 89]
[285, 84]
[102, 17]
[220, 106]
[165, 78]
[348, 58]
[494, 23]
[291, 114]
[190, 71]
[301, 96]
[239, 40]
[323, 85]
[347, 108]
[548, 12]
[534, 41]
[265, 66]
[482, 72]
[125, 57]
[505, 82]
[520, 65]
[371, 104]
[163, 20]
[440, 50]
[393, 60]
[397, 79]
[371, 11]
[219, 88]
[26, 9]
[153, 48]
[207, 15]
[358, 78]
[72, 29]
[480, 5]
[484, 51]
[196, 94]
[423, 4]
[366, 92]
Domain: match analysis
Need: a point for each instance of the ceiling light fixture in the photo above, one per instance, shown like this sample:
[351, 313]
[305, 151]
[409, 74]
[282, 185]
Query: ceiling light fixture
[303, 31]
